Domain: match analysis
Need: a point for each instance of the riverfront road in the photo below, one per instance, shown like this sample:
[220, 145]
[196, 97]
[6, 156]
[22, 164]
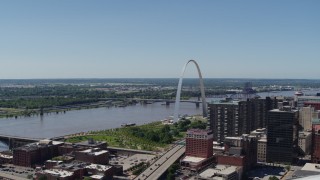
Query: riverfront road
[162, 164]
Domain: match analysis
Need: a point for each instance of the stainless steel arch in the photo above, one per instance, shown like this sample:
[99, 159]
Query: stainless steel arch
[203, 96]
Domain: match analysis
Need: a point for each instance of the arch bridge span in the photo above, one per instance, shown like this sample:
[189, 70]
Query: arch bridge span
[203, 96]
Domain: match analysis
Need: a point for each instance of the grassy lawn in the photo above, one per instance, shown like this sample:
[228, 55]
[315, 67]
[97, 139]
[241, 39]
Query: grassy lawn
[153, 136]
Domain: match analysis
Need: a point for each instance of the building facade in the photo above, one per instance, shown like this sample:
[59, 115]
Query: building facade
[302, 100]
[34, 153]
[315, 156]
[199, 143]
[305, 117]
[262, 150]
[234, 118]
[95, 156]
[305, 142]
[224, 119]
[282, 135]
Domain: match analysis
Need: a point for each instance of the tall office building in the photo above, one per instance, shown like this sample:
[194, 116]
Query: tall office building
[315, 155]
[199, 143]
[224, 119]
[305, 117]
[234, 118]
[282, 135]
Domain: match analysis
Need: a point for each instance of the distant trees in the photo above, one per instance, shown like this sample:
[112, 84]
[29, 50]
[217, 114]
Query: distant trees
[160, 136]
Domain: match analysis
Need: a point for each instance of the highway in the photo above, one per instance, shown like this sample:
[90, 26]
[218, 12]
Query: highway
[162, 164]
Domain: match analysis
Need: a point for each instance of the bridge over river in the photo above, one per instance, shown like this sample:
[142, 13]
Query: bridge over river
[15, 141]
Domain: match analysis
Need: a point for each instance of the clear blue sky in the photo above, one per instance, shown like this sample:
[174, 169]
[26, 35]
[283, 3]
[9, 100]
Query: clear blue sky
[138, 39]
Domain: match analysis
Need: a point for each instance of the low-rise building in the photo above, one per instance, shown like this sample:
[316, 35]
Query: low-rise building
[199, 149]
[239, 151]
[222, 172]
[5, 158]
[53, 174]
[95, 156]
[262, 150]
[103, 170]
[305, 142]
[309, 169]
[34, 153]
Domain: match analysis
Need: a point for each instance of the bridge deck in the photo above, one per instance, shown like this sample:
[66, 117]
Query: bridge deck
[162, 164]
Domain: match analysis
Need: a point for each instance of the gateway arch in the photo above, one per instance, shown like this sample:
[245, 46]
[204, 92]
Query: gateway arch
[203, 96]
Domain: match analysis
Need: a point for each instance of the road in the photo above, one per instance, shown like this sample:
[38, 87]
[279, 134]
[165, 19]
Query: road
[162, 164]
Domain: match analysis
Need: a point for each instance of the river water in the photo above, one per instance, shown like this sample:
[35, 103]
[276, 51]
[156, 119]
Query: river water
[53, 125]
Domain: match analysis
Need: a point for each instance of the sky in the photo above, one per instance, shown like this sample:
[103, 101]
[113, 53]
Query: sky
[154, 39]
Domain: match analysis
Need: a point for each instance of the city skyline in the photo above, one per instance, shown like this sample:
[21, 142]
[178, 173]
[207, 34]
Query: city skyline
[104, 39]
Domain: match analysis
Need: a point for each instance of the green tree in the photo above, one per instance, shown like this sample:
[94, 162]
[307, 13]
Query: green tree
[273, 178]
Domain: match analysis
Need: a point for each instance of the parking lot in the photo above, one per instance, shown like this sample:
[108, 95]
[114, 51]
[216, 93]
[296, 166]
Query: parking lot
[128, 162]
[18, 171]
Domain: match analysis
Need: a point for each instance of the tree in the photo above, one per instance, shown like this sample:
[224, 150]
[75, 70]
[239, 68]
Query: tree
[273, 178]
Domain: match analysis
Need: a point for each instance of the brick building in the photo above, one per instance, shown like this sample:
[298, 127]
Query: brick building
[35, 153]
[239, 151]
[199, 143]
[54, 174]
[199, 149]
[315, 157]
[315, 105]
[95, 155]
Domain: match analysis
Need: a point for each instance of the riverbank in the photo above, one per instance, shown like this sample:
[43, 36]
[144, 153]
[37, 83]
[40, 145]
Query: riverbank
[22, 112]
[154, 136]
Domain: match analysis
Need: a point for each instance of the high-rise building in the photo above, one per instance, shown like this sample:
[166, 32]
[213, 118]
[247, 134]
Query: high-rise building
[306, 116]
[199, 143]
[199, 149]
[224, 119]
[315, 157]
[234, 118]
[282, 135]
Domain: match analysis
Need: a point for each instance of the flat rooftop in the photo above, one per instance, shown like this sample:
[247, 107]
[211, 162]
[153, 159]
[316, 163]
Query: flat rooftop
[219, 170]
[311, 167]
[199, 131]
[95, 151]
[193, 159]
[131, 161]
[6, 156]
[58, 172]
[98, 167]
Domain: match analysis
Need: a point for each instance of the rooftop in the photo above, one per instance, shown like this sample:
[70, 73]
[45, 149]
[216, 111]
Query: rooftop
[309, 97]
[58, 172]
[95, 151]
[225, 102]
[96, 176]
[98, 167]
[315, 121]
[6, 156]
[199, 131]
[219, 170]
[193, 159]
[304, 134]
[311, 167]
[284, 111]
